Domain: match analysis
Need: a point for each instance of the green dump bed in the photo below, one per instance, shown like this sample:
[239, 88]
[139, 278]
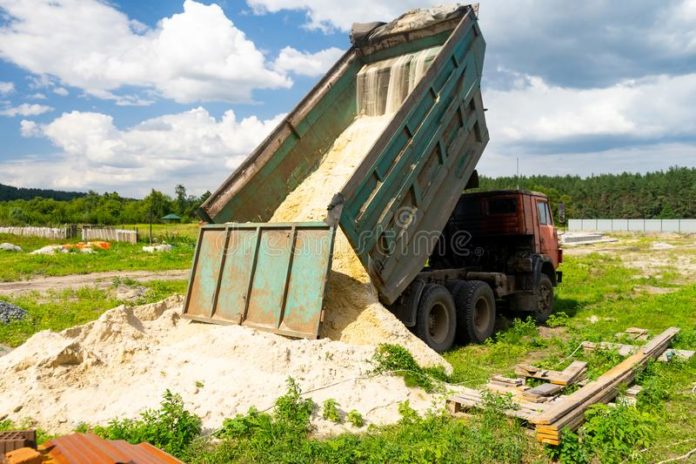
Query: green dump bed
[392, 208]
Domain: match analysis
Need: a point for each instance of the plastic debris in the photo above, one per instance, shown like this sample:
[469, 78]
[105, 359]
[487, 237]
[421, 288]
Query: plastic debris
[157, 248]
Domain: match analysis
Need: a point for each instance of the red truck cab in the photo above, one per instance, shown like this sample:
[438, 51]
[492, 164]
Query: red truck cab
[499, 251]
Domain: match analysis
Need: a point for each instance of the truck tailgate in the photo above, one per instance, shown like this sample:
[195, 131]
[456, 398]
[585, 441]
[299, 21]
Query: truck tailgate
[265, 275]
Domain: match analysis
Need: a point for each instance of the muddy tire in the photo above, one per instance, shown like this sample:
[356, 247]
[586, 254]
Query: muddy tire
[458, 289]
[436, 319]
[475, 304]
[544, 296]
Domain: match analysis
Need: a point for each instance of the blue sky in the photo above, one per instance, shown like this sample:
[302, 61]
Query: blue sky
[130, 95]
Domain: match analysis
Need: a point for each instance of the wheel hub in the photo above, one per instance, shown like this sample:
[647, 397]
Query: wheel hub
[438, 323]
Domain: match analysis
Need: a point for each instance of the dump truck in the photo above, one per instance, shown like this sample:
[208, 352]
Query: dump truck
[402, 208]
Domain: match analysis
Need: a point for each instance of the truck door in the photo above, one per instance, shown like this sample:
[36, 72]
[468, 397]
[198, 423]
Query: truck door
[548, 239]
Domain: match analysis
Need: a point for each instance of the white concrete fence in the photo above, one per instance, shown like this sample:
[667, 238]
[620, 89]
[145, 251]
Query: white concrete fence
[632, 225]
[109, 234]
[56, 233]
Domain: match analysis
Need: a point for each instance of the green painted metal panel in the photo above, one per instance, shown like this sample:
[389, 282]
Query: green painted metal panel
[403, 192]
[201, 294]
[268, 276]
[236, 273]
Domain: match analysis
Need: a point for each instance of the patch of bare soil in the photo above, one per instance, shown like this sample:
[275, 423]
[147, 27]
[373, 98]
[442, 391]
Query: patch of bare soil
[552, 332]
[663, 253]
[96, 279]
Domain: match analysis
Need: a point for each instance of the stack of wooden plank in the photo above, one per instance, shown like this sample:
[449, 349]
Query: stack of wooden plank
[468, 398]
[543, 408]
[542, 393]
[569, 411]
[571, 374]
[626, 350]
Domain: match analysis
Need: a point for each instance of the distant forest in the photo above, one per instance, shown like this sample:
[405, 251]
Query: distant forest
[95, 208]
[8, 192]
[667, 194]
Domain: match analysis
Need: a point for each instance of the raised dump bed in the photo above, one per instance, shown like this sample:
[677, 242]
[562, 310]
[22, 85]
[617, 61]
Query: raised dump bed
[419, 78]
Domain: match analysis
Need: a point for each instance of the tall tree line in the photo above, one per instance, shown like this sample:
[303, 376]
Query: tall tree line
[667, 194]
[94, 208]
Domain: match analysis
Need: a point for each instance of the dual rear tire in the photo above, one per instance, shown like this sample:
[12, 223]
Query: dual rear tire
[465, 311]
[476, 313]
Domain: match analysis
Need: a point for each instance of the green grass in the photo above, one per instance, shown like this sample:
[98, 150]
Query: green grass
[60, 310]
[120, 257]
[597, 299]
[163, 231]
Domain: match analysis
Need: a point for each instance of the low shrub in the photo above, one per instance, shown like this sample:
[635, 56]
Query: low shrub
[171, 427]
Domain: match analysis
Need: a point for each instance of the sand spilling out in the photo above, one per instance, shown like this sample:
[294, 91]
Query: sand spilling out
[353, 312]
[384, 85]
[120, 364]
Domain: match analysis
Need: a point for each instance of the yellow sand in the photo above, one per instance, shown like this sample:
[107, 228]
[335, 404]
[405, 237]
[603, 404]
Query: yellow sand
[353, 312]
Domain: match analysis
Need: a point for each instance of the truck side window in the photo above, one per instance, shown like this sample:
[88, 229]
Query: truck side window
[549, 216]
[542, 212]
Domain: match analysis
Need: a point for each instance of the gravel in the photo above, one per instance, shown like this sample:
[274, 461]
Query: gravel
[10, 312]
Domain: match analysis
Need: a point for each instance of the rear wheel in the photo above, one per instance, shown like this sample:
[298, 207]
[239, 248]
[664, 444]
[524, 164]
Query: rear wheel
[544, 297]
[475, 304]
[436, 318]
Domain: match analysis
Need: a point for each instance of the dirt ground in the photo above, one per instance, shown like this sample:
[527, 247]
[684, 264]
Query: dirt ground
[654, 255]
[97, 279]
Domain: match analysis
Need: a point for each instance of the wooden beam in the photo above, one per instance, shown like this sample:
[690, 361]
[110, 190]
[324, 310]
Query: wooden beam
[579, 401]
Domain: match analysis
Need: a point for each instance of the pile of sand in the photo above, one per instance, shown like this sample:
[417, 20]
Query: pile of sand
[121, 364]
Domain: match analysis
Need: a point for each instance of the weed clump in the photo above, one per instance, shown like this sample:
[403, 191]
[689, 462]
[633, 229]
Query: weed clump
[397, 360]
[171, 427]
[611, 435]
[330, 411]
[355, 418]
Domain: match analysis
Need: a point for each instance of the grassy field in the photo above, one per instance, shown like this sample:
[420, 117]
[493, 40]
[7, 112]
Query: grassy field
[164, 231]
[120, 257]
[603, 293]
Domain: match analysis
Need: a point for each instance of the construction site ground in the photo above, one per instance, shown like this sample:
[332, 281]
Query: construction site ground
[645, 281]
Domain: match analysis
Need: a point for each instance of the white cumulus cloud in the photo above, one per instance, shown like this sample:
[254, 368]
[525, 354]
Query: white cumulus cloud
[334, 14]
[637, 125]
[196, 55]
[6, 87]
[307, 64]
[25, 109]
[652, 107]
[192, 148]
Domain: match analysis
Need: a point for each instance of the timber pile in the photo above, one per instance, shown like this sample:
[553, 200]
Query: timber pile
[468, 398]
[569, 411]
[549, 412]
[626, 350]
[571, 374]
